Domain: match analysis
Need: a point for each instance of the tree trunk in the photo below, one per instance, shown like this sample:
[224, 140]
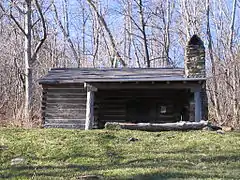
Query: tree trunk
[143, 24]
[27, 60]
[232, 24]
[166, 36]
[215, 85]
[234, 68]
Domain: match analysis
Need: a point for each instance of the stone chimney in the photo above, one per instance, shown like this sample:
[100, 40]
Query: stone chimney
[194, 64]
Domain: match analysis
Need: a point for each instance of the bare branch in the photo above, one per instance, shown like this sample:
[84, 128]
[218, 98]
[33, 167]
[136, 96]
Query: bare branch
[102, 20]
[39, 19]
[232, 24]
[65, 34]
[44, 32]
[14, 19]
[133, 20]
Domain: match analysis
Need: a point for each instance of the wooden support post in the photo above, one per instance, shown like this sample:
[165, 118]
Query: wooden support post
[89, 106]
[89, 110]
[198, 106]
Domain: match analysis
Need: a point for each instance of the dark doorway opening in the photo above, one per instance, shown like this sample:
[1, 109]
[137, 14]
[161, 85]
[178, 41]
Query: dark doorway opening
[141, 110]
[141, 105]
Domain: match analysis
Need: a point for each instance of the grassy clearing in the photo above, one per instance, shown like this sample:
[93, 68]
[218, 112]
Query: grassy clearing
[67, 154]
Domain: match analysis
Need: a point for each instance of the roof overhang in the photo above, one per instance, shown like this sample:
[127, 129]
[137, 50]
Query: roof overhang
[127, 75]
[115, 80]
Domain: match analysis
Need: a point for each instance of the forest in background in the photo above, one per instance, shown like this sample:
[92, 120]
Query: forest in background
[36, 35]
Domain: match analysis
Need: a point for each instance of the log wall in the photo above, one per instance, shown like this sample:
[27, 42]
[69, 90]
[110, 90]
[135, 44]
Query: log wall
[64, 106]
[141, 106]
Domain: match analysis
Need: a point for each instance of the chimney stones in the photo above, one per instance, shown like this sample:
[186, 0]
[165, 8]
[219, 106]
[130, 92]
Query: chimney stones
[195, 58]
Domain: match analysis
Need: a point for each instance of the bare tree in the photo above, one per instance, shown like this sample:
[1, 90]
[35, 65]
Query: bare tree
[235, 69]
[143, 31]
[215, 86]
[29, 56]
[112, 40]
[65, 30]
[137, 33]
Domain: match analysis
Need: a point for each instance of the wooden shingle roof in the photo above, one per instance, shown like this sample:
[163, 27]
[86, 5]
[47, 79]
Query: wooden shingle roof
[81, 75]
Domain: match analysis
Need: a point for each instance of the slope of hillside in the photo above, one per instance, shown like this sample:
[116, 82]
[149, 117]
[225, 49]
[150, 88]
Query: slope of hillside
[123, 154]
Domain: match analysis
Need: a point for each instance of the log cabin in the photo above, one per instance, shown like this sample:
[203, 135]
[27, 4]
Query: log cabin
[87, 98]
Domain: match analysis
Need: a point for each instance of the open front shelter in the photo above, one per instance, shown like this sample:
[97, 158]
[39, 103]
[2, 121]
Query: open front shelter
[87, 98]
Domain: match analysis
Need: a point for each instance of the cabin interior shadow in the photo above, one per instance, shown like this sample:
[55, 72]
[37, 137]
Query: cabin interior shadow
[141, 106]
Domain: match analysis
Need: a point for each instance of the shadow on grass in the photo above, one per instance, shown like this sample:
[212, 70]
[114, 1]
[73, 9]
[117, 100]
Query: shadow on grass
[173, 168]
[220, 158]
[45, 171]
[191, 165]
[178, 175]
[164, 168]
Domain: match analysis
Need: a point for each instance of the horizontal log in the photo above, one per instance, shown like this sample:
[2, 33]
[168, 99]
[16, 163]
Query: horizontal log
[81, 104]
[169, 113]
[67, 95]
[63, 86]
[149, 100]
[65, 111]
[66, 108]
[67, 98]
[113, 101]
[110, 106]
[136, 118]
[65, 121]
[142, 85]
[160, 127]
[112, 111]
[65, 126]
[112, 120]
[126, 91]
[123, 119]
[68, 116]
[172, 120]
[69, 101]
[112, 115]
[105, 119]
[140, 93]
[66, 90]
[146, 95]
[63, 107]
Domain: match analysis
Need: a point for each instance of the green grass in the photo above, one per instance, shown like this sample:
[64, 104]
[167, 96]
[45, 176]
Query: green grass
[67, 154]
